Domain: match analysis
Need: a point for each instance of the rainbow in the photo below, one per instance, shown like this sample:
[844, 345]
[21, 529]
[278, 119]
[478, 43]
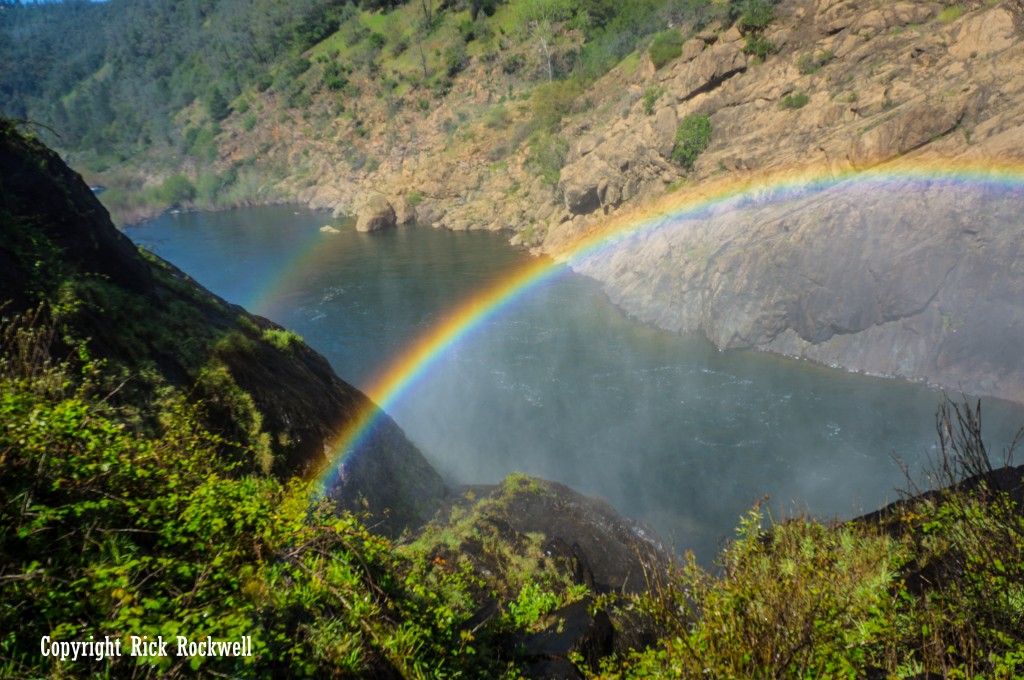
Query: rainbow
[689, 203]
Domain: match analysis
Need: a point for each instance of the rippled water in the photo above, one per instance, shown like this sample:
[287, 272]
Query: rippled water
[565, 386]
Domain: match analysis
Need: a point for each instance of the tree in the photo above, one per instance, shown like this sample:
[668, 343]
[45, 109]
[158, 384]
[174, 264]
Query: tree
[541, 20]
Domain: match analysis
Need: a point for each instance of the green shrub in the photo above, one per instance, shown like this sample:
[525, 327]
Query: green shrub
[795, 100]
[759, 46]
[665, 47]
[455, 59]
[951, 14]
[497, 118]
[553, 101]
[284, 340]
[176, 189]
[810, 63]
[651, 95]
[756, 15]
[547, 156]
[692, 137]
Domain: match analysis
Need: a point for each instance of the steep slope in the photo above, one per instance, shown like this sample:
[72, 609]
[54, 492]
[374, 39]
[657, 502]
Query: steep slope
[261, 387]
[916, 281]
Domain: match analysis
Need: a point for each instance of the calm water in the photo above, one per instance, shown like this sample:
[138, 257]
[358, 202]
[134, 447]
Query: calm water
[562, 384]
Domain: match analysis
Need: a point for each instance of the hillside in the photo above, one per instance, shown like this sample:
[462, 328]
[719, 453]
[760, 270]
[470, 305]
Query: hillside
[551, 120]
[151, 435]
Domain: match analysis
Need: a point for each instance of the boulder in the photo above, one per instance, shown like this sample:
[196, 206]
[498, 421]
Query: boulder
[708, 70]
[376, 214]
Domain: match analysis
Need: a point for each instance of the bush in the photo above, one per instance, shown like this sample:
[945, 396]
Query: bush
[651, 95]
[665, 47]
[755, 16]
[553, 101]
[811, 63]
[692, 137]
[176, 189]
[547, 155]
[759, 46]
[796, 100]
[455, 59]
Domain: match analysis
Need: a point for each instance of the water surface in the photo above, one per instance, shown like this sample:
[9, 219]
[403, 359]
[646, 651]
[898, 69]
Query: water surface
[562, 384]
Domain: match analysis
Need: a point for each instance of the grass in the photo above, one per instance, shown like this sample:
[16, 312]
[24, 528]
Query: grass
[951, 14]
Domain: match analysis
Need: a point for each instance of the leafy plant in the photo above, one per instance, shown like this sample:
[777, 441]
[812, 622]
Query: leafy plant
[651, 96]
[665, 47]
[692, 137]
[759, 46]
[795, 100]
[812, 62]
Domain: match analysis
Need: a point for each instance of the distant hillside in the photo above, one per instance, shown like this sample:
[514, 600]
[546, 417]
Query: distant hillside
[558, 119]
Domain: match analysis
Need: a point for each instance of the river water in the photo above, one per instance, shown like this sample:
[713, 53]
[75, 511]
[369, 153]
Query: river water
[565, 386]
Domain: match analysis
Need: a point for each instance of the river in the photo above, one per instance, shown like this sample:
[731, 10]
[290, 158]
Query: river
[565, 386]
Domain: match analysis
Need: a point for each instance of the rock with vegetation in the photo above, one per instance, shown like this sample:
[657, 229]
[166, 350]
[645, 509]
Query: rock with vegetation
[261, 386]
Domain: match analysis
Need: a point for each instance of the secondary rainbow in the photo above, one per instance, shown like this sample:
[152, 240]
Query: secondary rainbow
[402, 375]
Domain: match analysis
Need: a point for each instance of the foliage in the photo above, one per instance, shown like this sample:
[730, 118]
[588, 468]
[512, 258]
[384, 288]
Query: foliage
[759, 46]
[110, 529]
[651, 95]
[950, 14]
[547, 156]
[550, 102]
[284, 340]
[665, 47]
[812, 62]
[692, 137]
[755, 15]
[176, 190]
[795, 100]
[930, 588]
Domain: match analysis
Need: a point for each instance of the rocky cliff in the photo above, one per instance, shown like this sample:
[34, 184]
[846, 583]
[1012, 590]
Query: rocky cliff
[261, 387]
[915, 281]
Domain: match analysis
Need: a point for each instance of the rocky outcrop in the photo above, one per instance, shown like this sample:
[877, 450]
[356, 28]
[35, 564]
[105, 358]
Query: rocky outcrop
[551, 526]
[914, 279]
[376, 214]
[851, 84]
[144, 316]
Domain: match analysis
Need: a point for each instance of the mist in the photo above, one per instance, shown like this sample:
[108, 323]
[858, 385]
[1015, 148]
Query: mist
[563, 385]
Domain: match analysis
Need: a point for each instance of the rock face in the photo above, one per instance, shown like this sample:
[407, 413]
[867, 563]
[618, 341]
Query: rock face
[867, 83]
[56, 238]
[915, 279]
[376, 215]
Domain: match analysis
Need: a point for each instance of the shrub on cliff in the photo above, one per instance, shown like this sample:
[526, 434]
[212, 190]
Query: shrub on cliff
[665, 47]
[692, 137]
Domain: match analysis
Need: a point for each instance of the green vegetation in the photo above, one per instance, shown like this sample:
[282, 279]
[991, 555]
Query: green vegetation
[759, 46]
[547, 156]
[284, 340]
[665, 47]
[812, 62]
[794, 100]
[951, 14]
[755, 15]
[110, 529]
[933, 587]
[553, 101]
[692, 137]
[651, 95]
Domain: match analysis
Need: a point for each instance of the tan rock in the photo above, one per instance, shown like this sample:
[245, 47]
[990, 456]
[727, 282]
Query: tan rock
[983, 34]
[376, 215]
[708, 70]
[909, 129]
